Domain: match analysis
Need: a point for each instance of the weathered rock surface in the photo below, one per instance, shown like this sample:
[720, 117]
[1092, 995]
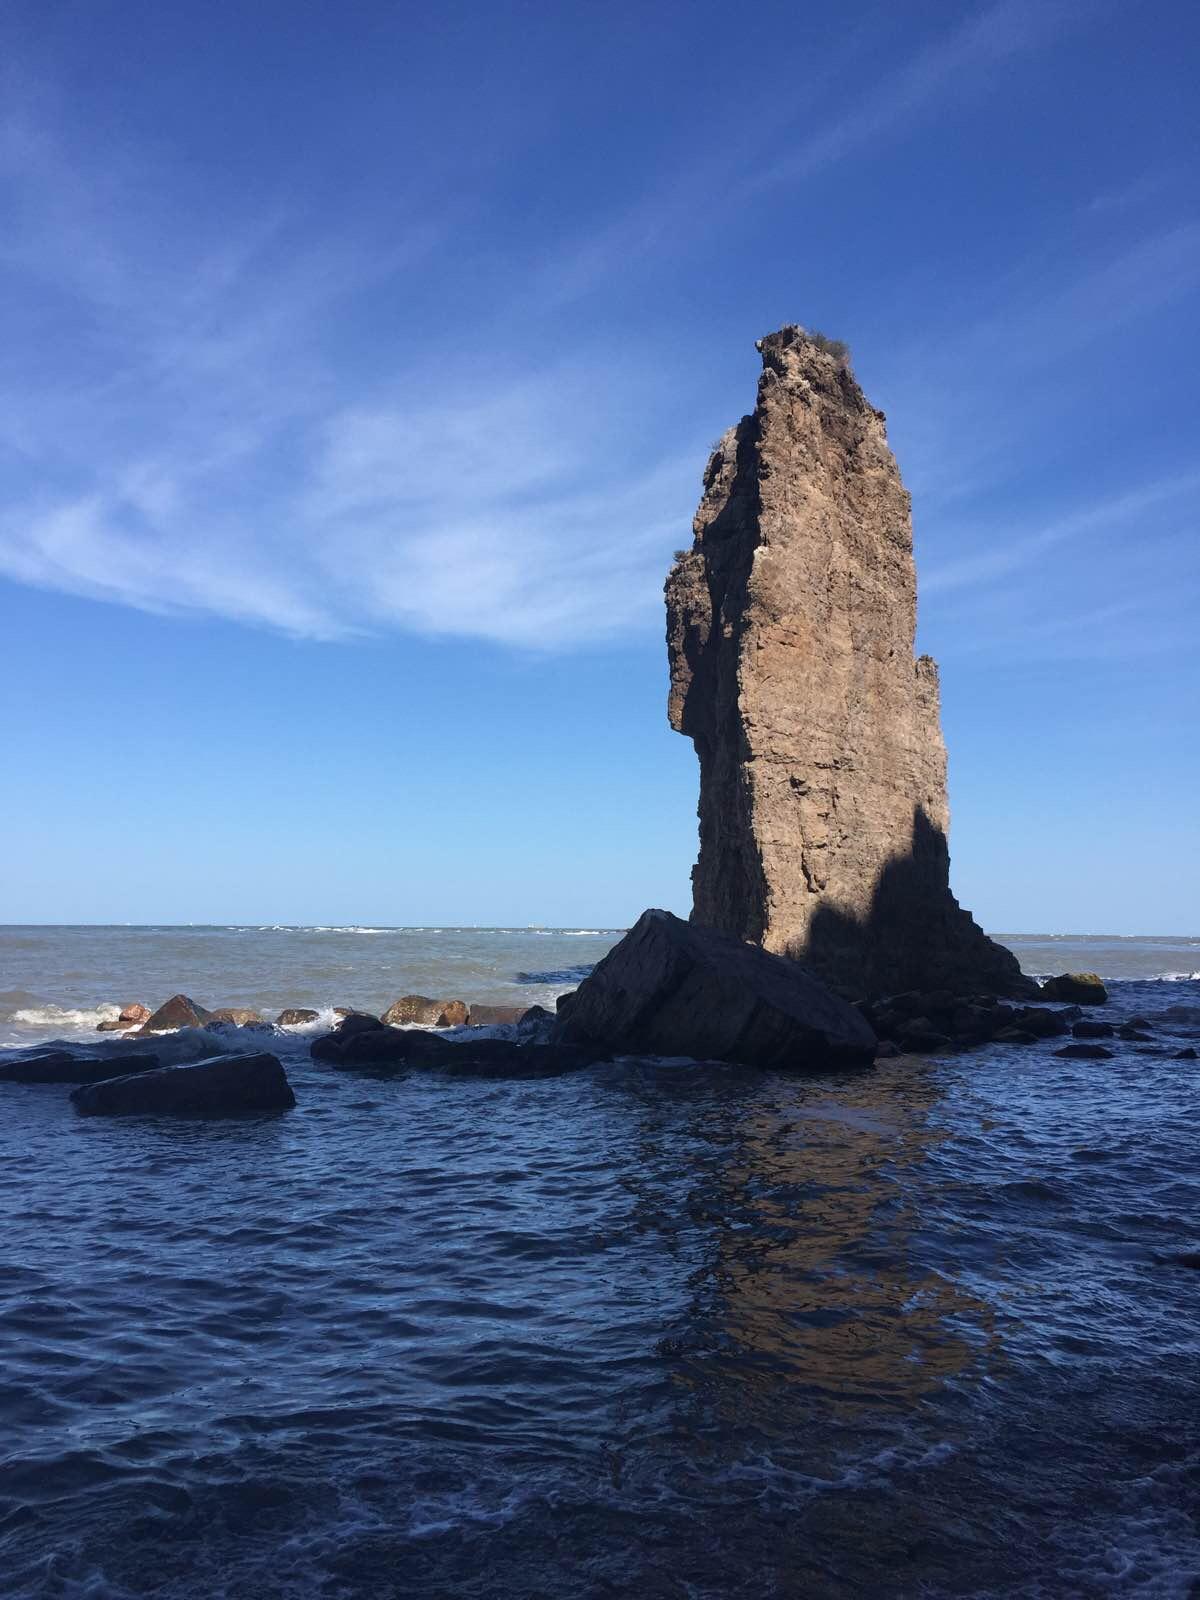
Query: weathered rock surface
[177, 1012]
[226, 1086]
[673, 988]
[66, 1066]
[419, 1009]
[790, 627]
[1081, 988]
[294, 1016]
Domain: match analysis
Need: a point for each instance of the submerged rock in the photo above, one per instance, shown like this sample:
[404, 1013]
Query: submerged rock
[66, 1066]
[1082, 988]
[675, 989]
[1085, 1052]
[394, 1048]
[178, 1012]
[790, 626]
[492, 1016]
[226, 1086]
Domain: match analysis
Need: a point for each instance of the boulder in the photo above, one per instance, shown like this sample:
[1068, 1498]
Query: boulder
[1134, 1035]
[342, 1012]
[177, 1012]
[493, 1016]
[1044, 1024]
[1015, 1036]
[135, 1012]
[1080, 988]
[1188, 1053]
[330, 1045]
[1093, 1030]
[675, 989]
[239, 1016]
[420, 1010]
[65, 1066]
[294, 1016]
[225, 1086]
[536, 1016]
[919, 1034]
[1085, 1052]
[114, 1025]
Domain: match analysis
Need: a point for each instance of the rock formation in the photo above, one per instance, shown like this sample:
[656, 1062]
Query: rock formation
[790, 626]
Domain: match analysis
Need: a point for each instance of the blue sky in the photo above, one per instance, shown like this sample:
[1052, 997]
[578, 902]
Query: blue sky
[358, 365]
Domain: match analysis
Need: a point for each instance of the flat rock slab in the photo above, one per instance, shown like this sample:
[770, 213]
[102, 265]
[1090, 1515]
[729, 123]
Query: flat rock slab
[674, 989]
[227, 1086]
[393, 1048]
[64, 1066]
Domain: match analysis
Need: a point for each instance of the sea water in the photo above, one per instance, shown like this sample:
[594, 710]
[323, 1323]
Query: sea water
[654, 1328]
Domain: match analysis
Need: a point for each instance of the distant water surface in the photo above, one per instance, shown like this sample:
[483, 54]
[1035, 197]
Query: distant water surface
[653, 1329]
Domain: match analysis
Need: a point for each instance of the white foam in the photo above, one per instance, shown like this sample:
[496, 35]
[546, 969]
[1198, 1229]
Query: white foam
[65, 1018]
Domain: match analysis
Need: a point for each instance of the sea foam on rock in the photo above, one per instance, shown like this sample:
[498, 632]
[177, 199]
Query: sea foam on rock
[225, 1086]
[672, 988]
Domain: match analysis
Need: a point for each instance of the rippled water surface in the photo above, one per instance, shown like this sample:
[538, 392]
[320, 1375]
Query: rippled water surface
[654, 1329]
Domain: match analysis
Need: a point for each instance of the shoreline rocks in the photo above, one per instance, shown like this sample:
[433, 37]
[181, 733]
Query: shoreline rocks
[1080, 988]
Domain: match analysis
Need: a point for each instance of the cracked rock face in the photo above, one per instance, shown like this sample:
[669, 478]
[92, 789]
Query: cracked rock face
[790, 626]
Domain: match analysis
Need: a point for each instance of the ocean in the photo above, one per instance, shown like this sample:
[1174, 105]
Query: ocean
[655, 1328]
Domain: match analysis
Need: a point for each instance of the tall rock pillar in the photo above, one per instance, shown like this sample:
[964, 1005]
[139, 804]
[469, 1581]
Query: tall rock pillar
[790, 626]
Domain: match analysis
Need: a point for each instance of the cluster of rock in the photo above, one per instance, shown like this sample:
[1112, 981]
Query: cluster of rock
[134, 1082]
[180, 1011]
[790, 628]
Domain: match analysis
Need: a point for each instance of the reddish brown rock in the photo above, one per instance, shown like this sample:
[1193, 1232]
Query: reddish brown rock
[177, 1012]
[490, 1016]
[136, 1012]
[790, 626]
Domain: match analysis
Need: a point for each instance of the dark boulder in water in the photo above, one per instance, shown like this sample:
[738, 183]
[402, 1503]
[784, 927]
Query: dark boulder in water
[1080, 988]
[1188, 1053]
[177, 1012]
[1093, 1030]
[330, 1045]
[673, 988]
[226, 1086]
[67, 1066]
[1085, 1052]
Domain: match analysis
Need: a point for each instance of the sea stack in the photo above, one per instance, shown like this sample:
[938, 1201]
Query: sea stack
[790, 628]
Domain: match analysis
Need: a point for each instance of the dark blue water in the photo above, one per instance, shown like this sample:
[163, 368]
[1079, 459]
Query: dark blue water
[648, 1330]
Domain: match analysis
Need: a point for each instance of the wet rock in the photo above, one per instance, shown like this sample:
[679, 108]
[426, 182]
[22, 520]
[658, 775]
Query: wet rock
[424, 1012]
[1085, 1052]
[919, 1034]
[536, 1016]
[493, 1016]
[239, 1016]
[178, 1012]
[330, 1045]
[1134, 1035]
[790, 625]
[65, 1066]
[672, 988]
[1015, 1036]
[128, 1017]
[1188, 1053]
[1081, 988]
[295, 1016]
[114, 1025]
[1093, 1030]
[394, 1048]
[342, 1012]
[225, 1086]
[1043, 1024]
[1139, 1022]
